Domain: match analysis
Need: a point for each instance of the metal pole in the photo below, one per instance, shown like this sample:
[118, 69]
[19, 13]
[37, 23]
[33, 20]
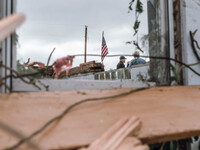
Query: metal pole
[85, 44]
[102, 45]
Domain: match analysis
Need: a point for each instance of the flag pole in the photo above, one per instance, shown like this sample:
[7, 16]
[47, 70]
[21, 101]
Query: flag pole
[102, 45]
[85, 44]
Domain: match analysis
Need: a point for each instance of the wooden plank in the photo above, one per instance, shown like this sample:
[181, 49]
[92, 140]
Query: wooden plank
[96, 76]
[127, 73]
[86, 68]
[120, 74]
[113, 75]
[90, 62]
[167, 113]
[107, 74]
[74, 71]
[102, 76]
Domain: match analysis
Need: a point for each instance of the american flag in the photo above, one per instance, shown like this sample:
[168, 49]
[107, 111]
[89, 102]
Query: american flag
[104, 49]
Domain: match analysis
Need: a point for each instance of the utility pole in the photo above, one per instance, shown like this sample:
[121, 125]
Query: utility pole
[85, 44]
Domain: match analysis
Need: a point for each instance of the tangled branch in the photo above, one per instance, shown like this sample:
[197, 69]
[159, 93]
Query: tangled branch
[17, 75]
[138, 11]
[18, 135]
[193, 43]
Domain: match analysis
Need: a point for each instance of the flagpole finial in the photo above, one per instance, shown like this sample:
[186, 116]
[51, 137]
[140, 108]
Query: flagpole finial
[102, 33]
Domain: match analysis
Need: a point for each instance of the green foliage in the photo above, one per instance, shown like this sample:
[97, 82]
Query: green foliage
[21, 69]
[137, 46]
[174, 76]
[136, 27]
[130, 5]
[139, 7]
[138, 11]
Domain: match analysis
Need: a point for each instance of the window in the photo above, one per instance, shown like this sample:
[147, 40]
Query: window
[49, 25]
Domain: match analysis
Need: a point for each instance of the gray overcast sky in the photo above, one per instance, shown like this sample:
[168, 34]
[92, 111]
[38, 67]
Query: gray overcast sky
[61, 24]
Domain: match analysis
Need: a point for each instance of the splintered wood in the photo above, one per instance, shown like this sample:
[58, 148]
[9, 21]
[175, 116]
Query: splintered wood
[9, 24]
[166, 113]
[114, 138]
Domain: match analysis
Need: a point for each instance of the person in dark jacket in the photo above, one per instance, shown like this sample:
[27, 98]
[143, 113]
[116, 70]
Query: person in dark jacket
[121, 62]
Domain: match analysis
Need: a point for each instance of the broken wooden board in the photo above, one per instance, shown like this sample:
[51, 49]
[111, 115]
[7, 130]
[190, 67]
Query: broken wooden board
[9, 24]
[167, 113]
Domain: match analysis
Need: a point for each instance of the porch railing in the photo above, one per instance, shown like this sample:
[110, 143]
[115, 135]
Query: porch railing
[134, 73]
[122, 74]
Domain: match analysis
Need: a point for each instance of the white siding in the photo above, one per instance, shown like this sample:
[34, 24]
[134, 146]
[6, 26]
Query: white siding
[191, 22]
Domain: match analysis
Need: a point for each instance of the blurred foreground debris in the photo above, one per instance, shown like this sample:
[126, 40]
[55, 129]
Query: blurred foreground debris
[167, 114]
[9, 24]
[116, 137]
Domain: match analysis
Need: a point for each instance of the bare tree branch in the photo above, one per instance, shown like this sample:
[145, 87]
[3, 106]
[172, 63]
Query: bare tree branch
[193, 42]
[18, 135]
[50, 57]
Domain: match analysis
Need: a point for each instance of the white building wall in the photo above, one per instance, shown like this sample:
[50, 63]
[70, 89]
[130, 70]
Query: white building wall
[190, 22]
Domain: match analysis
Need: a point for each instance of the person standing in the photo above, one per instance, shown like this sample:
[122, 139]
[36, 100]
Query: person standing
[136, 60]
[121, 62]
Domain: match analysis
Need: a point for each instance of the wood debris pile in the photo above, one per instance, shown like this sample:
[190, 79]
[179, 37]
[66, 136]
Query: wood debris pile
[116, 138]
[88, 67]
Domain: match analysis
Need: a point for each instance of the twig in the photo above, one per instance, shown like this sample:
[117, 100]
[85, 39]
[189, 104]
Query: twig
[182, 67]
[41, 71]
[67, 110]
[18, 135]
[50, 57]
[8, 76]
[192, 44]
[31, 81]
[14, 71]
[138, 47]
[5, 85]
[194, 39]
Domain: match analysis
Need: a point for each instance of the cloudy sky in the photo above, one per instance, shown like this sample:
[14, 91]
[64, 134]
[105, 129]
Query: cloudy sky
[61, 24]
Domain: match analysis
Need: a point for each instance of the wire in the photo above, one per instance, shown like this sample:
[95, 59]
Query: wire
[182, 67]
[18, 135]
[151, 57]
[127, 55]
[67, 110]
